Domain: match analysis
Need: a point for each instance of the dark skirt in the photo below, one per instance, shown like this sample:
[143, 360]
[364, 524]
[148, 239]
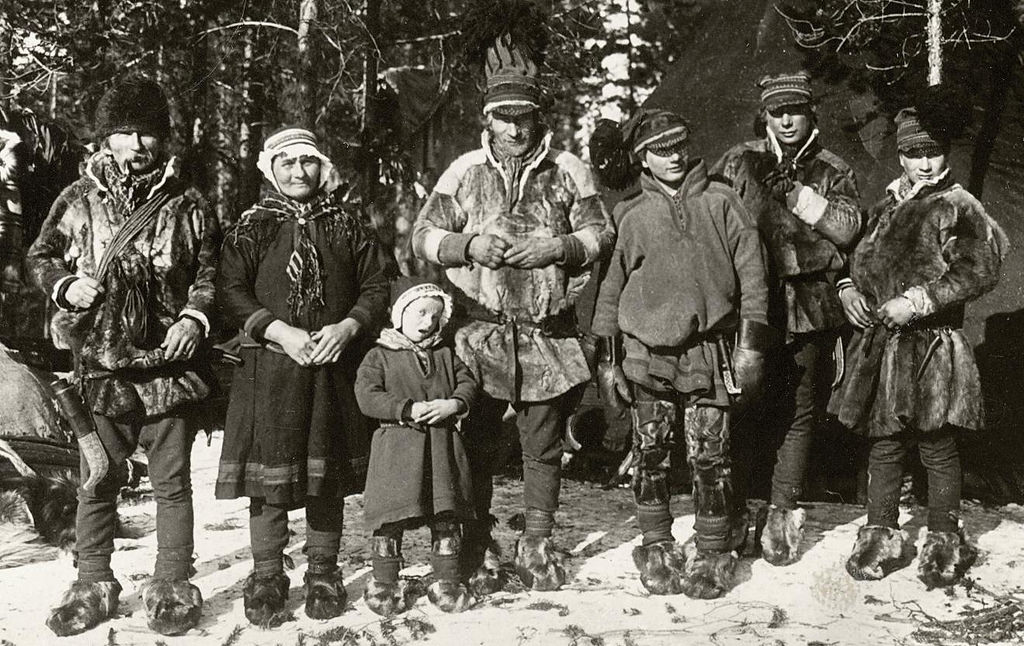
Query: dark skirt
[415, 474]
[292, 432]
[920, 380]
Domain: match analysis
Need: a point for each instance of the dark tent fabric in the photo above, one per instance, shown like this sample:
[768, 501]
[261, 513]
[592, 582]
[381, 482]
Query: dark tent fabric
[712, 84]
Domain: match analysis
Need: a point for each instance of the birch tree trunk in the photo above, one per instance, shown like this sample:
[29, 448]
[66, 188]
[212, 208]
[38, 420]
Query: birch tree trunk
[934, 42]
[308, 10]
[250, 129]
[371, 165]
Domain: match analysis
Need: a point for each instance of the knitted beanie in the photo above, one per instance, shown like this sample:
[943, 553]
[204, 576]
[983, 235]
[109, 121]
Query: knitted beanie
[911, 135]
[785, 89]
[657, 130]
[134, 104]
[512, 84]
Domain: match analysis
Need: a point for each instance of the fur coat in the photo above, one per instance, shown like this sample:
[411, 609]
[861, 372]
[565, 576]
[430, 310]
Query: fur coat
[803, 258]
[175, 259]
[519, 333]
[937, 246]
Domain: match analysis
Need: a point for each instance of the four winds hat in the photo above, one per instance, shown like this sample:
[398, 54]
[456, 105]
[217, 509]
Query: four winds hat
[512, 84]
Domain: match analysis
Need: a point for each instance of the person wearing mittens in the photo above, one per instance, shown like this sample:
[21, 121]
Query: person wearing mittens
[417, 387]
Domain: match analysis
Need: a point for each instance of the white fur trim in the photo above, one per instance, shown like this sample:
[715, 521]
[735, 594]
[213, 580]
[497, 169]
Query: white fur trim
[57, 286]
[194, 313]
[810, 206]
[451, 178]
[432, 244]
[919, 298]
[578, 171]
[777, 147]
[591, 244]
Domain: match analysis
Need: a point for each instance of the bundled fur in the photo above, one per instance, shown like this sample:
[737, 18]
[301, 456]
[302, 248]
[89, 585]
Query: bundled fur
[611, 157]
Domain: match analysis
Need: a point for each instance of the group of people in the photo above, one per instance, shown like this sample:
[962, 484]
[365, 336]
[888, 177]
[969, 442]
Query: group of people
[719, 283]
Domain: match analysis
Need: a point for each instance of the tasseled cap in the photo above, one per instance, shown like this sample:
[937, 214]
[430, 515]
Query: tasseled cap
[657, 130]
[512, 84]
[785, 89]
[135, 104]
[407, 289]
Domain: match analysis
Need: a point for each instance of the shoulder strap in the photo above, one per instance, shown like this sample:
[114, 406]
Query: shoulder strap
[135, 224]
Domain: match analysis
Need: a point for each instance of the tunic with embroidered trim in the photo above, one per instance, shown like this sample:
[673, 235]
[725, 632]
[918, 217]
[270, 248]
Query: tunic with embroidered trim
[414, 472]
[293, 431]
[807, 244]
[556, 198]
[938, 247]
[175, 260]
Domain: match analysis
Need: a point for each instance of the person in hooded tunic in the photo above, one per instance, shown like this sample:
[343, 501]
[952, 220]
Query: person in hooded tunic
[302, 277]
[911, 380]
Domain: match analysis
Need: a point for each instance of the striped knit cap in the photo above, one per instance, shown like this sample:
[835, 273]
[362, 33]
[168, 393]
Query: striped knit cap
[785, 89]
[911, 135]
[659, 130]
[512, 84]
[293, 141]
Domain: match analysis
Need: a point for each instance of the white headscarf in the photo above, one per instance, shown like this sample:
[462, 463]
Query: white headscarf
[293, 143]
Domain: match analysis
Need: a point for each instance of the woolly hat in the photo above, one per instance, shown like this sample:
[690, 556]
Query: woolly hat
[911, 135]
[512, 84]
[295, 141]
[785, 89]
[657, 130]
[407, 289]
[135, 104]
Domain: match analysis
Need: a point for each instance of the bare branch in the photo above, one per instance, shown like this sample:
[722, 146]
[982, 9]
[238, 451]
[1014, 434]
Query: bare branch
[251, 23]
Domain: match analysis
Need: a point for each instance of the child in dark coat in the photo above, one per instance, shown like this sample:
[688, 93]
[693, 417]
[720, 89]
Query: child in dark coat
[417, 387]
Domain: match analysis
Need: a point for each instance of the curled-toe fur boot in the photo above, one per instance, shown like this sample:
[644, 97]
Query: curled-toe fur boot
[172, 607]
[84, 605]
[264, 598]
[539, 564]
[945, 557]
[878, 551]
[480, 560]
[325, 589]
[661, 566]
[781, 536]
[708, 574]
[385, 594]
[448, 593]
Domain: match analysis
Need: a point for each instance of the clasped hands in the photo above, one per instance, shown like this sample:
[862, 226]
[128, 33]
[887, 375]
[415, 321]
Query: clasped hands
[318, 348]
[894, 313]
[493, 251]
[434, 411]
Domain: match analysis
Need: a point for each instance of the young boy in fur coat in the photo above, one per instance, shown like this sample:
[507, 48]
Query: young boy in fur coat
[419, 473]
[687, 277]
[805, 202]
[928, 250]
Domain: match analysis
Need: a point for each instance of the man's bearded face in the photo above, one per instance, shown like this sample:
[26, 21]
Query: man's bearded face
[514, 135]
[136, 152]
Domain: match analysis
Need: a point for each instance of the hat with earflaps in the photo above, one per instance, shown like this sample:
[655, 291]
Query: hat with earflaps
[134, 104]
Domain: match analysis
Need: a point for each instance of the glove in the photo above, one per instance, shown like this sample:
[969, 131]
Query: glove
[753, 339]
[611, 380]
[778, 183]
[89, 444]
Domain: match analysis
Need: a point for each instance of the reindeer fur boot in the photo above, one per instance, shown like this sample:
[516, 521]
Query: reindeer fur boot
[84, 605]
[944, 558]
[385, 595]
[171, 607]
[325, 590]
[708, 574]
[781, 536]
[539, 564]
[264, 598]
[661, 566]
[878, 551]
[447, 592]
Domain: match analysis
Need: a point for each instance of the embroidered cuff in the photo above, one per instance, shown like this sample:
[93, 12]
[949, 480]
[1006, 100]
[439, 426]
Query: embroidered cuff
[574, 254]
[454, 249]
[361, 316]
[844, 283]
[256, 325]
[922, 302]
[809, 207]
[60, 291]
[403, 412]
[198, 317]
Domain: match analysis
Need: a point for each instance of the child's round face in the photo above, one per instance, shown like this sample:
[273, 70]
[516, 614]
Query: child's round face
[421, 318]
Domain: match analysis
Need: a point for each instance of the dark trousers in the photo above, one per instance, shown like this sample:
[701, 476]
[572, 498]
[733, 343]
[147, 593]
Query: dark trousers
[268, 533]
[168, 445]
[941, 461]
[657, 418]
[800, 385]
[541, 426]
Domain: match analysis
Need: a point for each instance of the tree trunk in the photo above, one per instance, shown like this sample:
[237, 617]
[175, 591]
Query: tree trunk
[1006, 69]
[934, 42]
[370, 163]
[308, 10]
[223, 112]
[250, 128]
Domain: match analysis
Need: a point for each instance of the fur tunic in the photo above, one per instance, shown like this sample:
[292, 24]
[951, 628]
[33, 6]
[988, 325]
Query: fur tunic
[923, 376]
[175, 259]
[803, 259]
[520, 336]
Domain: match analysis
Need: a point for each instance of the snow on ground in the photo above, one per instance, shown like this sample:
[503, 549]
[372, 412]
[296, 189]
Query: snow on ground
[811, 602]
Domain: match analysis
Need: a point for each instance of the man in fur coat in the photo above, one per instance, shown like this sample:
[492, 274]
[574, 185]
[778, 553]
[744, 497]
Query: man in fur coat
[517, 225]
[128, 255]
[805, 201]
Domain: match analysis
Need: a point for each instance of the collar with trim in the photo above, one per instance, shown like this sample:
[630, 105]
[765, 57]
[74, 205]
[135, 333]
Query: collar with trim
[893, 188]
[776, 147]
